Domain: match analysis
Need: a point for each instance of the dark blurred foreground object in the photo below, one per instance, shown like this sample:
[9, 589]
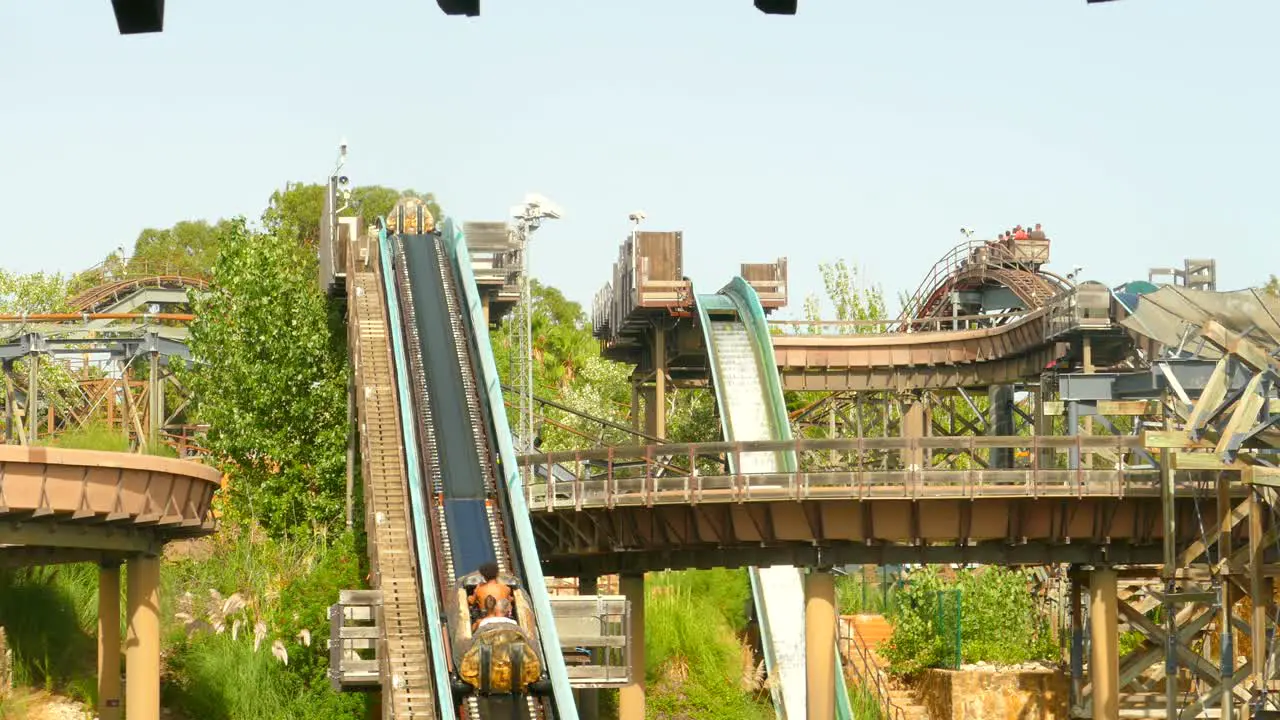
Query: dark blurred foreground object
[470, 8]
[134, 17]
[777, 7]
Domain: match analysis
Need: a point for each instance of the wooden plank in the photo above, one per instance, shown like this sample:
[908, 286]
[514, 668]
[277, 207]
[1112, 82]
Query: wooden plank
[1173, 439]
[1259, 475]
[1205, 461]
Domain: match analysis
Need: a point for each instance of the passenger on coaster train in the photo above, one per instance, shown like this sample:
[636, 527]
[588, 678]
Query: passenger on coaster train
[497, 657]
[491, 589]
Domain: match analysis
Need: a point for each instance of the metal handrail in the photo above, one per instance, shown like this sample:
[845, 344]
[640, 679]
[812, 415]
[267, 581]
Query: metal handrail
[934, 442]
[993, 254]
[868, 668]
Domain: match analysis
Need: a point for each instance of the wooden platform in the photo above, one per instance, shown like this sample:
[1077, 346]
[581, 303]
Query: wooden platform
[650, 290]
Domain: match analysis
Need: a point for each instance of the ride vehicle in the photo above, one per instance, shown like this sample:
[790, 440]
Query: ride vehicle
[494, 657]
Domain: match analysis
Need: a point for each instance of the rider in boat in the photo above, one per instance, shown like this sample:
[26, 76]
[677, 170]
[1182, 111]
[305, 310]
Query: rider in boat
[491, 589]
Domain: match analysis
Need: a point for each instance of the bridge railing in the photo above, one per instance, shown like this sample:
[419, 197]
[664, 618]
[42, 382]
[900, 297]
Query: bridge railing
[925, 468]
[877, 327]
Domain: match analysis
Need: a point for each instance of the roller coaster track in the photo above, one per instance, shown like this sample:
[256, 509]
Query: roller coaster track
[972, 265]
[464, 513]
[407, 692]
[108, 295]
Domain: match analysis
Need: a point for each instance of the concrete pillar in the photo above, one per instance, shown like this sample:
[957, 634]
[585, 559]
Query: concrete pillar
[1104, 636]
[588, 698]
[1043, 425]
[631, 696]
[656, 402]
[484, 305]
[914, 422]
[142, 649]
[109, 641]
[1000, 423]
[819, 643]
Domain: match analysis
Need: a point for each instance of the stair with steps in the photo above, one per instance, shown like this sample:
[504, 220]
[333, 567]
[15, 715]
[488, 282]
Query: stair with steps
[408, 690]
[861, 637]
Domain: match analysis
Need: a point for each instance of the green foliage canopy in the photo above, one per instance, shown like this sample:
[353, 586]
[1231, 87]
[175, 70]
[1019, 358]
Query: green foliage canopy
[1000, 622]
[270, 379]
[295, 210]
[190, 247]
[37, 292]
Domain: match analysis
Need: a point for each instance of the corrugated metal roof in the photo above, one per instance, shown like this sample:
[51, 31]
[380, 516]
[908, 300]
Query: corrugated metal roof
[1173, 316]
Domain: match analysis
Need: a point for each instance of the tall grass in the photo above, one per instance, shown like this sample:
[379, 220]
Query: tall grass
[44, 612]
[695, 663]
[93, 436]
[100, 436]
[863, 703]
[223, 665]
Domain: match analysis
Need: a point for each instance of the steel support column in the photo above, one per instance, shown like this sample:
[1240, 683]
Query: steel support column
[820, 654]
[1001, 422]
[109, 641]
[631, 696]
[1104, 641]
[142, 650]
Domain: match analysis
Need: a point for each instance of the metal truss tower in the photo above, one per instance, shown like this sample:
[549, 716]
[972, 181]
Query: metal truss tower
[528, 217]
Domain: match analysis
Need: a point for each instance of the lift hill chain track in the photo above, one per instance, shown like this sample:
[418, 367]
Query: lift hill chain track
[405, 672]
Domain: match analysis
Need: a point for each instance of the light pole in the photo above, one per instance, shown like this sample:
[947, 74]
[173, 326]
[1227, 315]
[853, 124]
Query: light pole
[529, 217]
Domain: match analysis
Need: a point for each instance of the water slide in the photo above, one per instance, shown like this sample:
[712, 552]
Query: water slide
[465, 489]
[749, 393]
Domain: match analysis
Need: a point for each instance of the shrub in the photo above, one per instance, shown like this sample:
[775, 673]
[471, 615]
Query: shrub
[999, 621]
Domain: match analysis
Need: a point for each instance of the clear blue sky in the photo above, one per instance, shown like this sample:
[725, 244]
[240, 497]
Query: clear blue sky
[1139, 132]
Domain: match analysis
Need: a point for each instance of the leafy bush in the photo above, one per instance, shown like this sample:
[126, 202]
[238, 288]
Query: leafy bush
[856, 596]
[999, 621]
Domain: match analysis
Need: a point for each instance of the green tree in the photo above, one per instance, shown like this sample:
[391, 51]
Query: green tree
[862, 305]
[189, 247]
[270, 378]
[30, 293]
[852, 299]
[37, 292]
[296, 209]
[1273, 286]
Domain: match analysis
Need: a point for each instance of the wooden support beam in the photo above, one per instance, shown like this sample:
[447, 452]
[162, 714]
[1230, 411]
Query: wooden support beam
[1249, 352]
[1259, 475]
[1215, 390]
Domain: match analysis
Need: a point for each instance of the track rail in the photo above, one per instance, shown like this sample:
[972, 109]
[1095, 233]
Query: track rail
[408, 692]
[467, 522]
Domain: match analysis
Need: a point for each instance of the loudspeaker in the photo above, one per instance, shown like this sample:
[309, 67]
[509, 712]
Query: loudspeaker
[470, 8]
[777, 7]
[139, 16]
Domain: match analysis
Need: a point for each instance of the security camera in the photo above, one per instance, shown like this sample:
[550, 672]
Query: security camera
[637, 216]
[343, 180]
